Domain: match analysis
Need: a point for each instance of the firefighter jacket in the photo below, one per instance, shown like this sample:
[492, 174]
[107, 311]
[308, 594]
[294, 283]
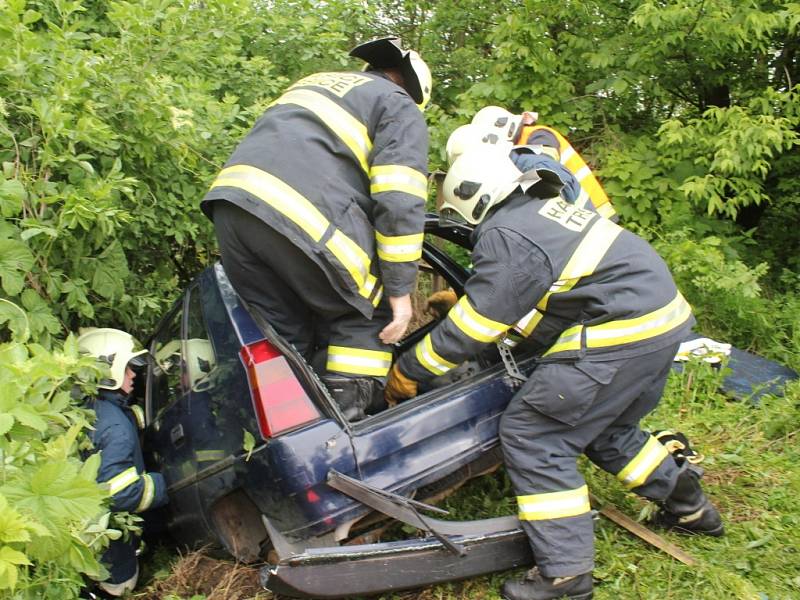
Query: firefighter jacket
[570, 282]
[122, 468]
[556, 178]
[338, 164]
[591, 188]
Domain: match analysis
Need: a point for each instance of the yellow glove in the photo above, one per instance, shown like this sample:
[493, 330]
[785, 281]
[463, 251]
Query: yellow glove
[439, 303]
[398, 387]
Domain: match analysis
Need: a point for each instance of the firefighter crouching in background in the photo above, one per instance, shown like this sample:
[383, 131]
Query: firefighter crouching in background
[523, 130]
[319, 214]
[601, 309]
[116, 437]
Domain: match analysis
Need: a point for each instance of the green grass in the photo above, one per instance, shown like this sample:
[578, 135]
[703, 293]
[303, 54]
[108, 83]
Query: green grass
[752, 475]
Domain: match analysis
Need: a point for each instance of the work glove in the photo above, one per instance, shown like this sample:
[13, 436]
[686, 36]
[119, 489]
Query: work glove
[439, 304]
[677, 444]
[398, 387]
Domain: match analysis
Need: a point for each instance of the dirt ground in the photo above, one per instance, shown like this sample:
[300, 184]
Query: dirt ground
[197, 574]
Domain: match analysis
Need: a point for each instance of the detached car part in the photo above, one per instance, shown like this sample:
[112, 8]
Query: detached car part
[452, 550]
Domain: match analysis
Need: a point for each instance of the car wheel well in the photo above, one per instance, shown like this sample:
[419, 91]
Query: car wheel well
[237, 523]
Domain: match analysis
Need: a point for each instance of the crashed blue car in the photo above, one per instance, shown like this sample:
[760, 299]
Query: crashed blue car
[260, 460]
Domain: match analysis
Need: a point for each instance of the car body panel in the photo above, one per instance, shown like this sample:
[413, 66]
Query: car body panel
[197, 439]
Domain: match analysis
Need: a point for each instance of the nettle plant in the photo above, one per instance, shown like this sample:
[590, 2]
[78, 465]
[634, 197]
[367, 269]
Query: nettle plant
[54, 519]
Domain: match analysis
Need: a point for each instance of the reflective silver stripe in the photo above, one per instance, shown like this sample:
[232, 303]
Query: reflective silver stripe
[528, 323]
[429, 359]
[209, 455]
[298, 209]
[583, 173]
[346, 127]
[139, 414]
[399, 248]
[643, 464]
[626, 331]
[568, 341]
[473, 324]
[354, 259]
[554, 505]
[584, 260]
[279, 195]
[567, 153]
[391, 178]
[358, 361]
[583, 199]
[148, 493]
[606, 210]
[122, 480]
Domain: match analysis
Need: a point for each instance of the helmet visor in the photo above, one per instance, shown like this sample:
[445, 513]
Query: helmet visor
[449, 216]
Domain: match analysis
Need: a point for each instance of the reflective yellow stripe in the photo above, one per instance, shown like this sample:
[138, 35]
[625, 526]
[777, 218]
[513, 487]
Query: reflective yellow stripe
[139, 414]
[399, 248]
[606, 210]
[554, 505]
[643, 464]
[575, 163]
[473, 324]
[398, 178]
[567, 341]
[209, 455]
[429, 359]
[280, 196]
[567, 153]
[298, 209]
[583, 173]
[121, 481]
[349, 129]
[585, 258]
[378, 295]
[528, 323]
[626, 331]
[358, 361]
[148, 493]
[354, 259]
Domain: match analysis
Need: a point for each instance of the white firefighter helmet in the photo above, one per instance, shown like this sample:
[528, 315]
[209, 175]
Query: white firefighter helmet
[113, 348]
[479, 179]
[503, 122]
[387, 53]
[200, 362]
[465, 137]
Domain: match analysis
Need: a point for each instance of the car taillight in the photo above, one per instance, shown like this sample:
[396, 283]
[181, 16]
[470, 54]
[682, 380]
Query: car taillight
[280, 401]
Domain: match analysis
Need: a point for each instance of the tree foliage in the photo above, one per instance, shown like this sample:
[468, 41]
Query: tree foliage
[116, 115]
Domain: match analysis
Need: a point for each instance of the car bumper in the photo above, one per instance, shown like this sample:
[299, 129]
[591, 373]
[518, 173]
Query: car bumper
[346, 571]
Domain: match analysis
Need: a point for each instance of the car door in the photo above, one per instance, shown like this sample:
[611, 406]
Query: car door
[168, 442]
[435, 433]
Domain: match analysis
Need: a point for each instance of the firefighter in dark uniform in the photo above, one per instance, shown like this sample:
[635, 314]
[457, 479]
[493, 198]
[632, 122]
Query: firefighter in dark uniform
[542, 156]
[523, 130]
[319, 213]
[116, 437]
[601, 309]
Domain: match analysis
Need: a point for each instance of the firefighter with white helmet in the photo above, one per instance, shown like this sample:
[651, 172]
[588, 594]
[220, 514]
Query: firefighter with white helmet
[600, 309]
[523, 130]
[542, 157]
[319, 214]
[115, 435]
[465, 137]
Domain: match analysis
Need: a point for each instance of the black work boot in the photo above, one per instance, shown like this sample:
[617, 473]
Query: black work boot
[688, 510]
[353, 394]
[535, 586]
